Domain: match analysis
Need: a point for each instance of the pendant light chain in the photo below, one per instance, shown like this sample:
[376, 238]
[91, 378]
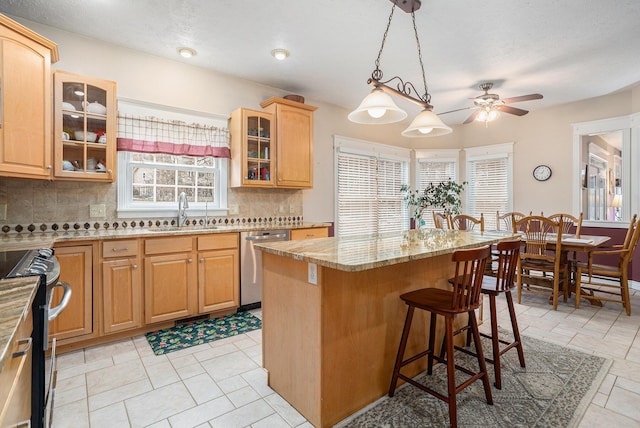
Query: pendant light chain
[427, 95]
[377, 73]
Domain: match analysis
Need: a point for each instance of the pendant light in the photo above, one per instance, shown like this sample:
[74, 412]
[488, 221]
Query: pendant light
[379, 108]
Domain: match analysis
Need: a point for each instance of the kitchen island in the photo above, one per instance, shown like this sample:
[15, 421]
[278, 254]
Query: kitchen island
[332, 316]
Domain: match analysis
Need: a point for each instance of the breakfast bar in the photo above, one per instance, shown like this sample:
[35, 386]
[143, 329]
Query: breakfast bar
[332, 316]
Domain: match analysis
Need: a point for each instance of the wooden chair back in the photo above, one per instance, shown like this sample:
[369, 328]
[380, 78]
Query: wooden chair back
[536, 231]
[504, 221]
[508, 255]
[467, 282]
[568, 221]
[441, 220]
[628, 237]
[630, 245]
[467, 222]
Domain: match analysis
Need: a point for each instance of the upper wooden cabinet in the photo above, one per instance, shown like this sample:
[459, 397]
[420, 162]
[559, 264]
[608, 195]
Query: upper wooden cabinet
[252, 150]
[294, 142]
[25, 101]
[85, 128]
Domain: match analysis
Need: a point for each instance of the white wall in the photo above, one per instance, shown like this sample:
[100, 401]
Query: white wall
[542, 137]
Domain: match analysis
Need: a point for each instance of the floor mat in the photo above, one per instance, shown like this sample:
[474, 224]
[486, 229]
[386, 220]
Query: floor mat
[198, 332]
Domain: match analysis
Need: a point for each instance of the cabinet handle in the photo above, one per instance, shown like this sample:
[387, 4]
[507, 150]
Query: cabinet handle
[119, 248]
[49, 167]
[310, 235]
[134, 267]
[109, 171]
[201, 260]
[22, 352]
[24, 424]
[189, 260]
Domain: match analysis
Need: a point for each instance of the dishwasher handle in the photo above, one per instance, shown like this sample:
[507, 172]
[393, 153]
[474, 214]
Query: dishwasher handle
[266, 237]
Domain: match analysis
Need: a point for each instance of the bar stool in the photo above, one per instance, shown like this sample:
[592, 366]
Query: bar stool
[462, 298]
[503, 282]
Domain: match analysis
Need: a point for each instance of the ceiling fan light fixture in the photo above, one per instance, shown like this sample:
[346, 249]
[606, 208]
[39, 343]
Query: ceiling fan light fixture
[377, 108]
[426, 124]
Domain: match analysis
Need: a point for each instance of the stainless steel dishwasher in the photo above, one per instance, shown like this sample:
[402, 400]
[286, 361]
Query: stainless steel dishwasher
[251, 264]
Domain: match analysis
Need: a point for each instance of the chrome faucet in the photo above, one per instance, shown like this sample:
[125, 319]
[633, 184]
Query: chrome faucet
[183, 204]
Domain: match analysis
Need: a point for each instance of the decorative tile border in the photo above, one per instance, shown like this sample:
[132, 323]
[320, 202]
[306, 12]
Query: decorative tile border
[155, 223]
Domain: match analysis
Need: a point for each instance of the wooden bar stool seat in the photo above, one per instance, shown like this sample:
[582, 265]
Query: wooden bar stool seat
[462, 298]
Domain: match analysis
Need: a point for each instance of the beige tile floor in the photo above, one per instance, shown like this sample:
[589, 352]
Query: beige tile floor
[222, 384]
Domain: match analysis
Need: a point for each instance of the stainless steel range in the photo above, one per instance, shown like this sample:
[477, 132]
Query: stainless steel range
[42, 263]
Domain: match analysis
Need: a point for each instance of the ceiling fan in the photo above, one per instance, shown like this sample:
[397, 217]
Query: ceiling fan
[488, 105]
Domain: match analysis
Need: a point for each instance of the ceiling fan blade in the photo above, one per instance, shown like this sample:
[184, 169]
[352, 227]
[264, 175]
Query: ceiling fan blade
[472, 117]
[512, 110]
[459, 109]
[522, 98]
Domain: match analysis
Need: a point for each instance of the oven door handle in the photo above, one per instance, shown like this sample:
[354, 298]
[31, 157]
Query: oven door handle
[66, 296]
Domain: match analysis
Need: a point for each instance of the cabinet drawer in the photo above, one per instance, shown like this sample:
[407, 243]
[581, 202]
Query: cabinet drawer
[168, 245]
[218, 241]
[310, 233]
[119, 248]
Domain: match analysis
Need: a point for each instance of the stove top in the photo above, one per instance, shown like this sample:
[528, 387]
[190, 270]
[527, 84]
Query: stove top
[29, 263]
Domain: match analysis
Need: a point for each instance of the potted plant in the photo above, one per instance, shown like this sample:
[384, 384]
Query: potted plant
[445, 195]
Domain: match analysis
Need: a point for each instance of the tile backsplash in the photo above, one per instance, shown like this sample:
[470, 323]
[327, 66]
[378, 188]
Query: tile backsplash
[43, 204]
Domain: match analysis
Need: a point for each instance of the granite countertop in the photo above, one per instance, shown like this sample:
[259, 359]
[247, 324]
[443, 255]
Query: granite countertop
[16, 296]
[23, 241]
[358, 253]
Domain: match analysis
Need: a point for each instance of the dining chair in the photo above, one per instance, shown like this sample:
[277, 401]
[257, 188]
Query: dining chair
[442, 220]
[609, 283]
[503, 221]
[541, 271]
[462, 298]
[467, 222]
[568, 222]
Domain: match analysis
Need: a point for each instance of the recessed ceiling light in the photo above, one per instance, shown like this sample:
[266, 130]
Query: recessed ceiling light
[187, 52]
[280, 54]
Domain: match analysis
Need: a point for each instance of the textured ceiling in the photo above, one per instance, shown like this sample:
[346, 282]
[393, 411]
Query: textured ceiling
[567, 50]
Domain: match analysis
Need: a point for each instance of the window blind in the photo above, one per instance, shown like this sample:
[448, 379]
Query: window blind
[430, 171]
[488, 189]
[368, 194]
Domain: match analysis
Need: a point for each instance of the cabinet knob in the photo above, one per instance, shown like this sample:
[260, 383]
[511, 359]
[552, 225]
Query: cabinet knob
[134, 267]
[202, 260]
[189, 260]
[49, 167]
[109, 171]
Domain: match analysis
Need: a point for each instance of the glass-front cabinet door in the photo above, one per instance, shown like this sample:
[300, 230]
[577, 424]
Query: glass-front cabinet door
[85, 128]
[252, 151]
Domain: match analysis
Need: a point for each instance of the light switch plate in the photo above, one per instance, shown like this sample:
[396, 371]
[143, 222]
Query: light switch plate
[97, 211]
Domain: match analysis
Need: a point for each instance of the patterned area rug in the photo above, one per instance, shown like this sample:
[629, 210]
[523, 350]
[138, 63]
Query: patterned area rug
[553, 390]
[199, 332]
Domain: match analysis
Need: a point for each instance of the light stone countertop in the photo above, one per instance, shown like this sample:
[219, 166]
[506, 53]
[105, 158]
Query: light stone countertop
[358, 253]
[16, 296]
[33, 240]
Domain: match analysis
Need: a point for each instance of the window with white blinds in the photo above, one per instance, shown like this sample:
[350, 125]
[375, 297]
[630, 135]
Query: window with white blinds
[490, 178]
[368, 188]
[435, 171]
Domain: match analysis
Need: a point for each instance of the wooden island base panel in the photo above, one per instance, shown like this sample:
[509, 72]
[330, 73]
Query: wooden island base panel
[329, 348]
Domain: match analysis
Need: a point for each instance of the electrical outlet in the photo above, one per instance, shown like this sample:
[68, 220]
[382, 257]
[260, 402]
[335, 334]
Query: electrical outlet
[313, 273]
[3, 211]
[97, 210]
[233, 209]
[282, 209]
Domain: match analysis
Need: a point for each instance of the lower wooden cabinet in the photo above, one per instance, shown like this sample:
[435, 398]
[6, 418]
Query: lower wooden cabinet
[76, 269]
[218, 272]
[122, 307]
[15, 378]
[169, 279]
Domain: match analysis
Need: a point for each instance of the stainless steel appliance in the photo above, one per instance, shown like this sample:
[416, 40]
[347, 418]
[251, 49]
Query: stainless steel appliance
[41, 263]
[251, 264]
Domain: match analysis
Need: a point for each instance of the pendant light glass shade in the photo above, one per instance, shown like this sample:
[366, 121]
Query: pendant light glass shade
[377, 108]
[426, 124]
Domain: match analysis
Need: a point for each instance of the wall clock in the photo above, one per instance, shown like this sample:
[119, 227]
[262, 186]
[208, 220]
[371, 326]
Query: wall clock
[542, 172]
